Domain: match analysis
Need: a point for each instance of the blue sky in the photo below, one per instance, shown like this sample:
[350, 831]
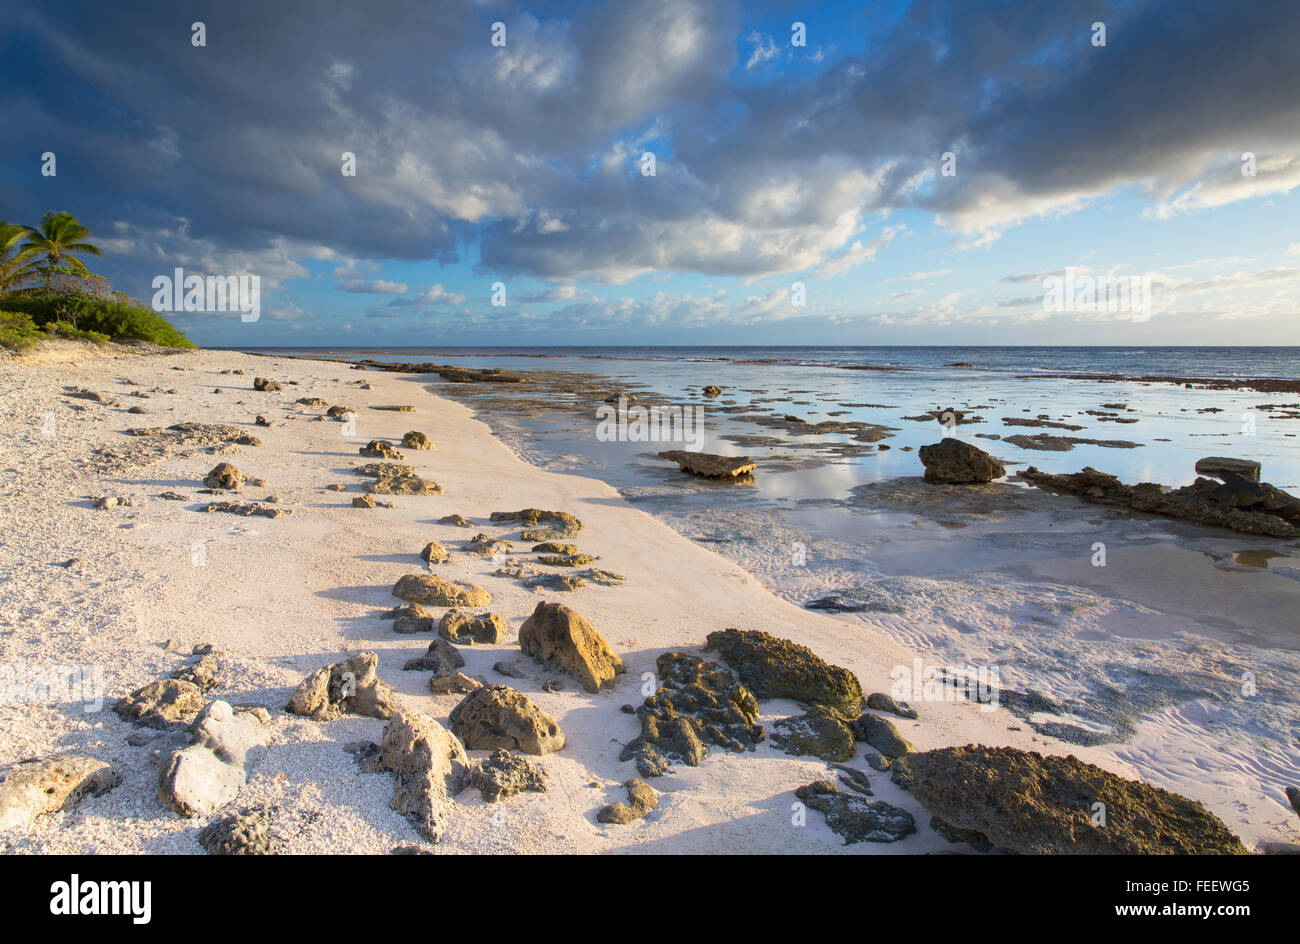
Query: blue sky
[776, 165]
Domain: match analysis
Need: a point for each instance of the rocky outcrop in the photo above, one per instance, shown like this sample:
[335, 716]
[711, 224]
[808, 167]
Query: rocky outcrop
[854, 818]
[224, 476]
[954, 461]
[497, 717]
[1216, 466]
[350, 687]
[708, 465]
[403, 485]
[1036, 804]
[821, 732]
[33, 788]
[430, 767]
[456, 521]
[380, 449]
[384, 470]
[641, 799]
[1237, 503]
[417, 440]
[161, 703]
[778, 668]
[503, 775]
[434, 591]
[545, 525]
[559, 638]
[698, 704]
[482, 628]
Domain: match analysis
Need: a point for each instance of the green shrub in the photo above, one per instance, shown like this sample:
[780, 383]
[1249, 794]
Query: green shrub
[17, 331]
[95, 318]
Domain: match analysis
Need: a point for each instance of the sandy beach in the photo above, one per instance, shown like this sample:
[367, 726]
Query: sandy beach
[107, 588]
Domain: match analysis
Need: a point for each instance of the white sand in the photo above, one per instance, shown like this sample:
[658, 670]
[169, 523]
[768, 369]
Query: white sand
[283, 597]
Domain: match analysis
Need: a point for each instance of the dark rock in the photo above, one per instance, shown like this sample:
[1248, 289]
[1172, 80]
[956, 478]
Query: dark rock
[708, 465]
[819, 733]
[247, 832]
[952, 460]
[854, 818]
[879, 701]
[778, 668]
[881, 734]
[442, 658]
[503, 775]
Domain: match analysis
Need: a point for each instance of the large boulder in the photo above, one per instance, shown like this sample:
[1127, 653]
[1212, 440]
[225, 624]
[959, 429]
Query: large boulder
[497, 717]
[881, 734]
[430, 766]
[434, 591]
[1034, 804]
[1216, 466]
[558, 637]
[778, 668]
[43, 785]
[200, 779]
[350, 687]
[952, 460]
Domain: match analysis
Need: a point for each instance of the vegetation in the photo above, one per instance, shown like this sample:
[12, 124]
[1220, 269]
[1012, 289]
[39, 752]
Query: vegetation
[47, 290]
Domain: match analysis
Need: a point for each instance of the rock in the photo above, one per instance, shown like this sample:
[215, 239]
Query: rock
[417, 440]
[1293, 797]
[977, 840]
[379, 449]
[558, 637]
[503, 775]
[879, 762]
[641, 800]
[1215, 466]
[952, 460]
[268, 386]
[441, 659]
[365, 501]
[433, 590]
[881, 734]
[435, 553]
[556, 524]
[403, 485]
[697, 704]
[236, 737]
[161, 703]
[1043, 442]
[35, 787]
[554, 582]
[383, 470]
[710, 466]
[455, 521]
[497, 717]
[711, 391]
[484, 628]
[552, 547]
[480, 545]
[1035, 804]
[412, 610]
[206, 673]
[247, 509]
[247, 832]
[340, 412]
[778, 668]
[415, 625]
[430, 767]
[311, 401]
[1275, 514]
[820, 733]
[456, 684]
[854, 818]
[350, 687]
[194, 781]
[262, 421]
[567, 560]
[510, 670]
[879, 701]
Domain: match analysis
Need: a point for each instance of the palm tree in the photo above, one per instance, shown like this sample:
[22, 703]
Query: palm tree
[15, 264]
[57, 238]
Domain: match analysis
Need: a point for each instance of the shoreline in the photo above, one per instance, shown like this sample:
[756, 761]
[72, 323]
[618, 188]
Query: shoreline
[283, 597]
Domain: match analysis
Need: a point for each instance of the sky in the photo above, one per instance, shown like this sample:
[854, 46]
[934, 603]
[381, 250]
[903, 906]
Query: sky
[823, 173]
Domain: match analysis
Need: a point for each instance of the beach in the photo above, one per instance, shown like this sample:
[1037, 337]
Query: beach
[107, 589]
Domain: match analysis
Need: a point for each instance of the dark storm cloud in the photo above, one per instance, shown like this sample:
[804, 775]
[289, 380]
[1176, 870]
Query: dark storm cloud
[233, 151]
